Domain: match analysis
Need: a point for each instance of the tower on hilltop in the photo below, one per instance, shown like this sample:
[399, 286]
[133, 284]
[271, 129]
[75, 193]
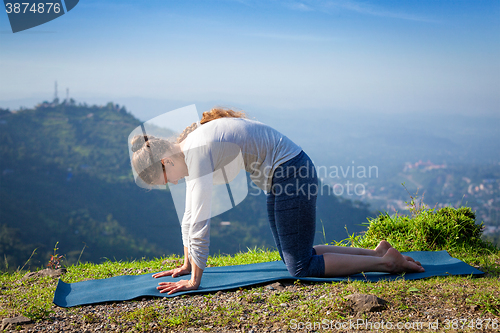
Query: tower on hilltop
[56, 99]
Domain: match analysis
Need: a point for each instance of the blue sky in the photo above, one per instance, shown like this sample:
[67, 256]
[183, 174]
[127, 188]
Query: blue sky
[371, 56]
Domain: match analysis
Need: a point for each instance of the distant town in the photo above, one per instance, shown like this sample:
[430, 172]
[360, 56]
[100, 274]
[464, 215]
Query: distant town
[437, 185]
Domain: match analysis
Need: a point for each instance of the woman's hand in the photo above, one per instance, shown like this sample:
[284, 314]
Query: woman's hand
[174, 272]
[181, 285]
[173, 287]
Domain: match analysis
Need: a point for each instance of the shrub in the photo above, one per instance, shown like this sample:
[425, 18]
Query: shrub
[430, 230]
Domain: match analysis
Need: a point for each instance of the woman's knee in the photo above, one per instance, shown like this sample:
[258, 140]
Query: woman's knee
[299, 271]
[296, 272]
[315, 267]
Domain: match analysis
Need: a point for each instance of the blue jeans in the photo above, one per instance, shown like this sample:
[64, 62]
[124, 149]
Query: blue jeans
[291, 207]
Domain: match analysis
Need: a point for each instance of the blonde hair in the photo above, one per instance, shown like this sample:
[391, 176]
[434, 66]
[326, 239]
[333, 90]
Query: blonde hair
[148, 150]
[214, 113]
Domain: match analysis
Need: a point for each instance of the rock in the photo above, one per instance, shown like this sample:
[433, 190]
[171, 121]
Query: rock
[55, 273]
[10, 323]
[276, 285]
[366, 303]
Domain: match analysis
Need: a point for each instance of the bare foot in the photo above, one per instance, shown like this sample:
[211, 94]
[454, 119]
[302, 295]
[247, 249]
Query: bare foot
[382, 248]
[411, 259]
[396, 263]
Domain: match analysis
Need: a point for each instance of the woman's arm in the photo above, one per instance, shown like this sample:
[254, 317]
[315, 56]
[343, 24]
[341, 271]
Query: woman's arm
[196, 222]
[185, 225]
[183, 270]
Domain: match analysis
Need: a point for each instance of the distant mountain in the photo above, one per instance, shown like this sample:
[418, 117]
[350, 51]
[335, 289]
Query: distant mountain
[65, 177]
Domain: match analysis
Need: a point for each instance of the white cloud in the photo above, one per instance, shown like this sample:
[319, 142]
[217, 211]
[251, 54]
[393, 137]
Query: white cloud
[368, 9]
[364, 8]
[291, 37]
[299, 6]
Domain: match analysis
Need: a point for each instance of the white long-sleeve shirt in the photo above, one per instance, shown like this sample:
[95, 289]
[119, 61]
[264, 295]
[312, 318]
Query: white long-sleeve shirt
[215, 146]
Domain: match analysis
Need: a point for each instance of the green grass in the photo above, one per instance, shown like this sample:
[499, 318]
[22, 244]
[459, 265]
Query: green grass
[443, 298]
[33, 297]
[257, 306]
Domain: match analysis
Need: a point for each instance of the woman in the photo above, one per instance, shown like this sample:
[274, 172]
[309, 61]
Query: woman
[279, 167]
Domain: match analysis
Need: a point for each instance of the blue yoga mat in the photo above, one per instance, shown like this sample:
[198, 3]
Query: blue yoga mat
[127, 287]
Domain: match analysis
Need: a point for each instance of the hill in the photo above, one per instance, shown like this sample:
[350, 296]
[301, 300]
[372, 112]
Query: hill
[66, 179]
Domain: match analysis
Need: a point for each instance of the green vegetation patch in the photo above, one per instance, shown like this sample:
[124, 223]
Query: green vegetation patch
[431, 230]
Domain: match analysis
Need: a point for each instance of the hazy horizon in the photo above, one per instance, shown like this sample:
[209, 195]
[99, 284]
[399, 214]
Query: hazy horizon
[337, 137]
[374, 57]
